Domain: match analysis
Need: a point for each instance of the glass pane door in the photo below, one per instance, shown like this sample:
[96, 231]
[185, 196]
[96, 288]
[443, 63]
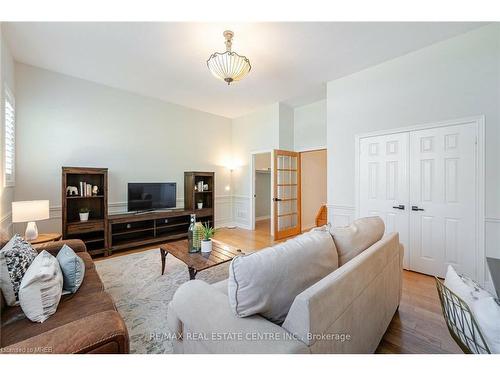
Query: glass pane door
[286, 193]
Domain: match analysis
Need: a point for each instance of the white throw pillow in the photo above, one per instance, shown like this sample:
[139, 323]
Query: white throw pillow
[487, 314]
[464, 287]
[266, 282]
[482, 304]
[353, 239]
[41, 288]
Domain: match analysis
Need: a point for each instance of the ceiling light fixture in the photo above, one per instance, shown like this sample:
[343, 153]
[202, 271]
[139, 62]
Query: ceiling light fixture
[228, 66]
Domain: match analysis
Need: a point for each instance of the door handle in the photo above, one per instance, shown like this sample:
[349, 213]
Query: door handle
[400, 207]
[277, 199]
[415, 208]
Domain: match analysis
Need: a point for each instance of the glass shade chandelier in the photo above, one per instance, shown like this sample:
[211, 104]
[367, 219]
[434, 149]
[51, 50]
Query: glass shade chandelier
[228, 66]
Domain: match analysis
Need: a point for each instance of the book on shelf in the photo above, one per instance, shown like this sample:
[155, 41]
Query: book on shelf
[85, 189]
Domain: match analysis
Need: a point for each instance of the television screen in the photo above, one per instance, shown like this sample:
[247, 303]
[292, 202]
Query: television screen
[151, 196]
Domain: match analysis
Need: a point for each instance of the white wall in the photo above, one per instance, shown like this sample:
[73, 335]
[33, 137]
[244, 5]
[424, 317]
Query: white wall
[310, 126]
[65, 121]
[72, 122]
[268, 128]
[256, 131]
[455, 78]
[6, 78]
[285, 127]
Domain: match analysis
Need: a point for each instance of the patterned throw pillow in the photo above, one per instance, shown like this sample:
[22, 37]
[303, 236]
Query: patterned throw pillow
[15, 258]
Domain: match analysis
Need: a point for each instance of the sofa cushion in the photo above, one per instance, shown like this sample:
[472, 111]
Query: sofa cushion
[266, 282]
[357, 237]
[72, 267]
[221, 286]
[41, 288]
[15, 258]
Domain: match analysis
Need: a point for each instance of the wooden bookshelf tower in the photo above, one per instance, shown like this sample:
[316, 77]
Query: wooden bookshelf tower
[192, 195]
[94, 231]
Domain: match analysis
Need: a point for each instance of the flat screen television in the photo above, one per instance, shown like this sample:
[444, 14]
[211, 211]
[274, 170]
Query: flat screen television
[148, 196]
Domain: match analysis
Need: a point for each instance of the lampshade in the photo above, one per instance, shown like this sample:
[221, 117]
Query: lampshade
[228, 66]
[24, 211]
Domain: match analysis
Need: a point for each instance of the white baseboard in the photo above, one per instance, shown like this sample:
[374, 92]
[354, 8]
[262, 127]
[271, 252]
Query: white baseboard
[259, 218]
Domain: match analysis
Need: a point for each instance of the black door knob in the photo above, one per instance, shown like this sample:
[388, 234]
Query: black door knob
[399, 207]
[415, 208]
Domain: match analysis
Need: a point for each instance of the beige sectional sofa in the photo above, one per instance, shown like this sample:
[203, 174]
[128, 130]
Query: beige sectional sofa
[347, 311]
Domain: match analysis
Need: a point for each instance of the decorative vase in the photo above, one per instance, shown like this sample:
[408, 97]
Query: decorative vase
[200, 205]
[206, 246]
[84, 216]
[191, 234]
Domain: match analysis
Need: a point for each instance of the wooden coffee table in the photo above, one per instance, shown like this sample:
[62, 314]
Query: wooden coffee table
[196, 262]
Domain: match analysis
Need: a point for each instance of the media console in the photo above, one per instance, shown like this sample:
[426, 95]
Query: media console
[130, 230]
[103, 234]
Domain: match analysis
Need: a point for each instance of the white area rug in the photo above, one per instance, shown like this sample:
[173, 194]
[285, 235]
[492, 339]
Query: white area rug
[142, 294]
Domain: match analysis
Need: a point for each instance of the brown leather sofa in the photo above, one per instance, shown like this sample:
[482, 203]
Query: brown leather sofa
[85, 322]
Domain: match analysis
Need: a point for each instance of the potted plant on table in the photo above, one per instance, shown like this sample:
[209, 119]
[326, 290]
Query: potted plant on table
[84, 214]
[206, 243]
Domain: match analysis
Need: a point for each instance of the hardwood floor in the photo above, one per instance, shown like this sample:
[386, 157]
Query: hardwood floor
[417, 327]
[248, 239]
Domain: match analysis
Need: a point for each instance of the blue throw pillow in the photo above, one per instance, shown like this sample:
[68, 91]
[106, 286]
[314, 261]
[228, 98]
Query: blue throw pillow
[73, 269]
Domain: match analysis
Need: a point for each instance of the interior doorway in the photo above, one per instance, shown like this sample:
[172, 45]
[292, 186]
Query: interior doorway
[262, 198]
[313, 185]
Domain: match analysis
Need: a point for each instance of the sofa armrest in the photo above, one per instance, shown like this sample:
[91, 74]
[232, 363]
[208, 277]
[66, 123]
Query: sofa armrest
[357, 300]
[104, 332]
[53, 248]
[201, 318]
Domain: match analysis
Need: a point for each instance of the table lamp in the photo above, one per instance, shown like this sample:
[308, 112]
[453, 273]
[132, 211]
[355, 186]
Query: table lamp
[30, 211]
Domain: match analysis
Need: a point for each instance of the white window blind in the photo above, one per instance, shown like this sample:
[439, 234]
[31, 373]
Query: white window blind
[9, 139]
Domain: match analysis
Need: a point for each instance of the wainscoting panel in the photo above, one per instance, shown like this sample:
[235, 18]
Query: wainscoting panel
[340, 215]
[241, 211]
[6, 224]
[223, 210]
[492, 246]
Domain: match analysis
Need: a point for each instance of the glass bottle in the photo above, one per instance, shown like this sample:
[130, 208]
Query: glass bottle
[191, 248]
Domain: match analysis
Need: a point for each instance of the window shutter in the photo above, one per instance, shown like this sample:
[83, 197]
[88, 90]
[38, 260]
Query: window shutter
[9, 139]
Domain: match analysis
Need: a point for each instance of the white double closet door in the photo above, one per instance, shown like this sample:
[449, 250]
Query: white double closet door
[423, 185]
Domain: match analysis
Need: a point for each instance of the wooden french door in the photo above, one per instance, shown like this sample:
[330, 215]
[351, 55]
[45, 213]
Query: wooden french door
[286, 190]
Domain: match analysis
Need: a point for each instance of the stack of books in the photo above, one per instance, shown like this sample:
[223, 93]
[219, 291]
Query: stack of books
[85, 189]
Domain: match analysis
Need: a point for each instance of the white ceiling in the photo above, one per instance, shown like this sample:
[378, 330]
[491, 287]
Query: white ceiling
[291, 62]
